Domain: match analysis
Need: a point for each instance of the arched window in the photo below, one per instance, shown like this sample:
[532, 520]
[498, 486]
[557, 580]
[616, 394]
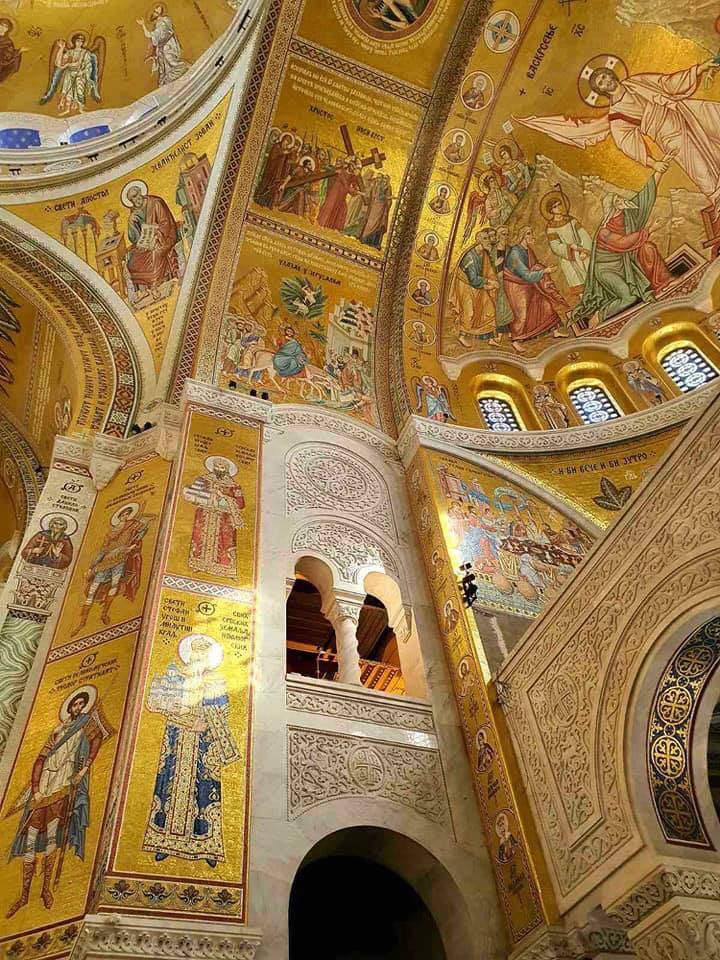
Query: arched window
[592, 404]
[498, 415]
[688, 369]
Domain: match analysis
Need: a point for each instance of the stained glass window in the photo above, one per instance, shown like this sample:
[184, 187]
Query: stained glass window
[498, 415]
[593, 405]
[688, 369]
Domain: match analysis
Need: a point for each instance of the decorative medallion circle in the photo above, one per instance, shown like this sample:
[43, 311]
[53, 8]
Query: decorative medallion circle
[366, 768]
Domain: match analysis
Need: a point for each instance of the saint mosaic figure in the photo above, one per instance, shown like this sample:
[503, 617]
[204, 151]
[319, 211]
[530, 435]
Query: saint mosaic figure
[433, 396]
[567, 238]
[508, 841]
[477, 295]
[641, 380]
[219, 503]
[536, 304]
[152, 259]
[186, 814]
[56, 803]
[51, 547]
[10, 55]
[625, 266]
[164, 51]
[117, 566]
[76, 70]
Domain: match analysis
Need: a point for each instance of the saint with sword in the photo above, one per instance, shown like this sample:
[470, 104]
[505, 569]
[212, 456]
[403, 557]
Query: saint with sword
[56, 803]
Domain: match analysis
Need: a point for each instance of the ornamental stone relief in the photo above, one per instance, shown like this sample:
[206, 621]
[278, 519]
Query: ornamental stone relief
[340, 704]
[330, 766]
[571, 678]
[349, 548]
[682, 935]
[669, 733]
[322, 476]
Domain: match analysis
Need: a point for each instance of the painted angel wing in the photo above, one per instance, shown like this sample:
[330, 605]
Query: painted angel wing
[418, 392]
[54, 73]
[97, 54]
[446, 400]
[576, 131]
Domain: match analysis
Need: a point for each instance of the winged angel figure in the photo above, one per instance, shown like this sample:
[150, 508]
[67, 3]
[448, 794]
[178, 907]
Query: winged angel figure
[659, 107]
[76, 70]
[434, 397]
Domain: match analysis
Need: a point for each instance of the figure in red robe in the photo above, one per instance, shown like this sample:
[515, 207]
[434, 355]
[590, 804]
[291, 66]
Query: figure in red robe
[50, 547]
[219, 503]
[10, 55]
[278, 162]
[153, 235]
[345, 183]
[534, 299]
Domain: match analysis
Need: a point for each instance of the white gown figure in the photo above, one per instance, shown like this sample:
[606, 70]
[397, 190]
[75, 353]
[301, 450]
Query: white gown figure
[649, 106]
[165, 52]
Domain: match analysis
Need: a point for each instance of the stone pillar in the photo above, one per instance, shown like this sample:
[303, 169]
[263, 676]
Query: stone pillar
[36, 585]
[343, 612]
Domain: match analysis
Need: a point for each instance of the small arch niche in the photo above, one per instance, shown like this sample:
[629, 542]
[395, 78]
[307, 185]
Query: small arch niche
[311, 645]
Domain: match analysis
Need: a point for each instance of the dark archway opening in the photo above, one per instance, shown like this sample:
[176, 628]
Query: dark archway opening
[348, 908]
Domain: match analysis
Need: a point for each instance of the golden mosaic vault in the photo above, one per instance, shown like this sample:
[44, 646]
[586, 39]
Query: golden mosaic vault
[359, 524]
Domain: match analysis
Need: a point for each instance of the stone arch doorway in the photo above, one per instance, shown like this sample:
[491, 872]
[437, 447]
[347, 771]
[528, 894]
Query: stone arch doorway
[385, 896]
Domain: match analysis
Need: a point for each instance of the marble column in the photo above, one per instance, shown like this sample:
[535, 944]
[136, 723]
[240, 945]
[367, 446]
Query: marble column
[343, 612]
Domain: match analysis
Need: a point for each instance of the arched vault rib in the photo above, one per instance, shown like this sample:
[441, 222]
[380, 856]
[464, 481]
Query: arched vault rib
[116, 356]
[392, 397]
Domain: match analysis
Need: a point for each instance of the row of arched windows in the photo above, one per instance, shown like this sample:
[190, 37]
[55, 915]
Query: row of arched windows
[592, 402]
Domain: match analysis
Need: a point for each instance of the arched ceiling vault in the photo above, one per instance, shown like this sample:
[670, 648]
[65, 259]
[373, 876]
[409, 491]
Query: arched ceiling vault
[69, 364]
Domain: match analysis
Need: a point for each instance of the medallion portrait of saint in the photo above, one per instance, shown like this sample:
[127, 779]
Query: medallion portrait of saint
[185, 818]
[54, 807]
[117, 566]
[219, 503]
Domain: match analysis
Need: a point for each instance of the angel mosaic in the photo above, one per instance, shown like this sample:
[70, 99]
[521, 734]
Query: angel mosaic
[76, 70]
[433, 396]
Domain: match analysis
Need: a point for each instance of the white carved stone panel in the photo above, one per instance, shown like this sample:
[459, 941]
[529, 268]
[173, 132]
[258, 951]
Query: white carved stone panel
[323, 476]
[349, 548]
[573, 672]
[330, 766]
[366, 707]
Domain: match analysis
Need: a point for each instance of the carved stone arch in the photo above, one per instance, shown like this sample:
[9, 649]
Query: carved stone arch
[349, 548]
[459, 897]
[668, 719]
[326, 477]
[96, 327]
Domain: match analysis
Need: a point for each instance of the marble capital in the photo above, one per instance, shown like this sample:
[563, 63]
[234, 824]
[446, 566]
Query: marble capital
[342, 606]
